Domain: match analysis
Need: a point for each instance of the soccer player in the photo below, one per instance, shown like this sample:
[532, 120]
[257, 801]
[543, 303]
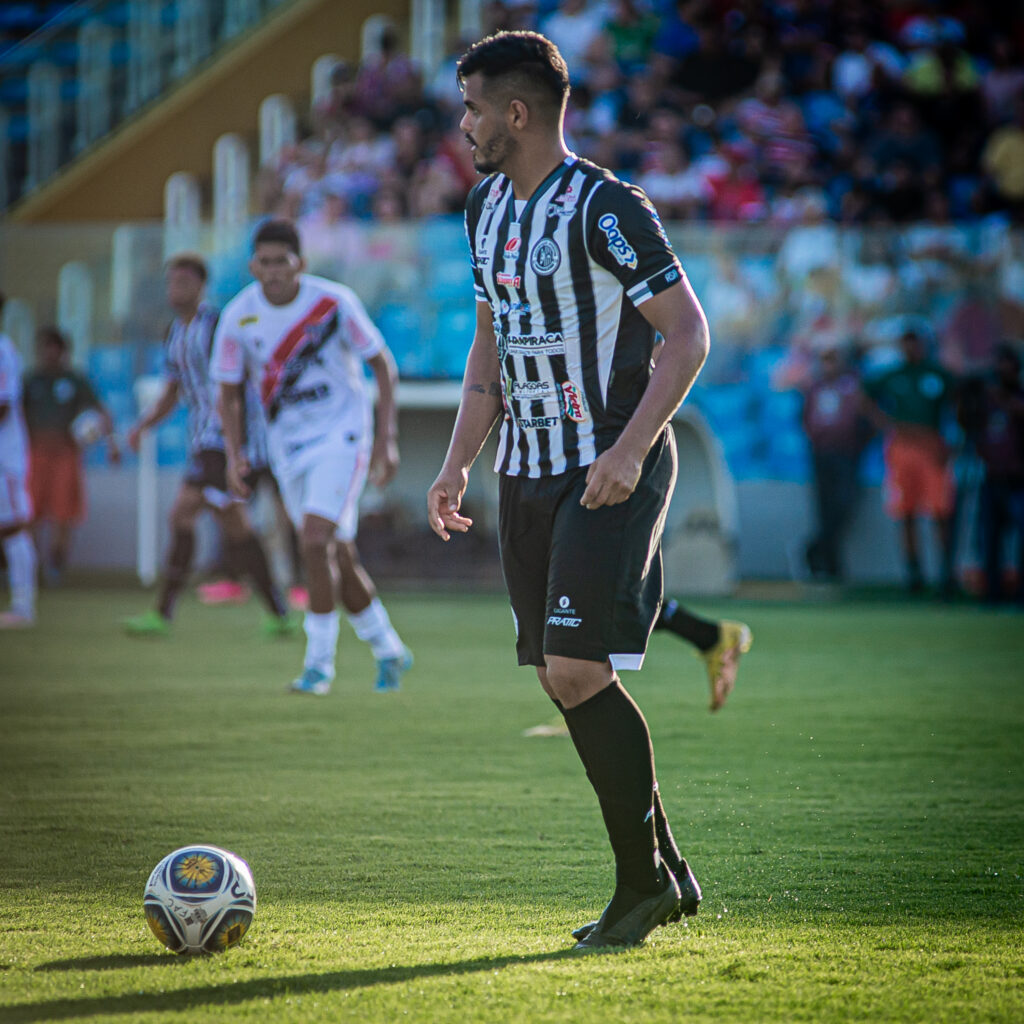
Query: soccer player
[15, 504]
[54, 395]
[575, 279]
[187, 362]
[909, 404]
[718, 644]
[303, 340]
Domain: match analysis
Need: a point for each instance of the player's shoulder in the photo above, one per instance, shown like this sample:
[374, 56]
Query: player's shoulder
[486, 191]
[240, 309]
[318, 288]
[608, 187]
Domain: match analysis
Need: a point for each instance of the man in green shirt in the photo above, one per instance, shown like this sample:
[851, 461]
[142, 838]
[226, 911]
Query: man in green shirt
[909, 404]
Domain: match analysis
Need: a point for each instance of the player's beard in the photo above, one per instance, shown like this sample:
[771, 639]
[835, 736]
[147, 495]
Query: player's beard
[494, 154]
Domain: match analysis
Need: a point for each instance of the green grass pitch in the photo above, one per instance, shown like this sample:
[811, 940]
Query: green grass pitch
[855, 815]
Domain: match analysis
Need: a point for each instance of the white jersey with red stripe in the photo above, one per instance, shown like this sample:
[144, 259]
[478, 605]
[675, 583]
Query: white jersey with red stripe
[306, 360]
[13, 438]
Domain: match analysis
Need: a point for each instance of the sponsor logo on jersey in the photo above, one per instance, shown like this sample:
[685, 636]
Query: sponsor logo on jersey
[563, 205]
[247, 320]
[516, 308]
[545, 257]
[550, 344]
[574, 403]
[536, 422]
[494, 194]
[672, 275]
[529, 390]
[509, 280]
[623, 253]
[569, 622]
[230, 355]
[566, 615]
[512, 247]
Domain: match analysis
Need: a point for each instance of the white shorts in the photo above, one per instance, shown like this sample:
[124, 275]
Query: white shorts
[328, 483]
[15, 503]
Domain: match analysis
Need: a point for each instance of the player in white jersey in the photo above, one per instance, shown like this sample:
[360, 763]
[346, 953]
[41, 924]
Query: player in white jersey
[15, 504]
[187, 378]
[303, 341]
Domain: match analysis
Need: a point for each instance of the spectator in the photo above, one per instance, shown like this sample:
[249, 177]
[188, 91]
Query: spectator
[672, 185]
[630, 32]
[837, 431]
[330, 113]
[1002, 84]
[909, 404]
[575, 28]
[995, 421]
[1003, 161]
[387, 84]
[54, 397]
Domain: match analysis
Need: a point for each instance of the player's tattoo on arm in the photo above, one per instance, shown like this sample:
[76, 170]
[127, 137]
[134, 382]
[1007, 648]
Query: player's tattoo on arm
[494, 390]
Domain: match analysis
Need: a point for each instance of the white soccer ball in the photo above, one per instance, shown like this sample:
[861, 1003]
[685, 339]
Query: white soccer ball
[200, 899]
[87, 427]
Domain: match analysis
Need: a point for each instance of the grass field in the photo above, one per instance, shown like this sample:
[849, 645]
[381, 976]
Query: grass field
[855, 814]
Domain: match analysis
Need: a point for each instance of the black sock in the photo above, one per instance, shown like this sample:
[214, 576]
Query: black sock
[179, 562]
[615, 746]
[702, 633]
[670, 854]
[663, 833]
[248, 558]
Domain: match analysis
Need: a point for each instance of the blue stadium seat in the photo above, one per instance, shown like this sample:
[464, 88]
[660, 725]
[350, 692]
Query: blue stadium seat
[781, 409]
[761, 365]
[789, 454]
[153, 359]
[172, 439]
[110, 368]
[452, 337]
[450, 280]
[402, 327]
[725, 404]
[743, 446]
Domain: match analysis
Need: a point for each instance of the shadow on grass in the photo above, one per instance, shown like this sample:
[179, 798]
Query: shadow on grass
[109, 963]
[241, 992]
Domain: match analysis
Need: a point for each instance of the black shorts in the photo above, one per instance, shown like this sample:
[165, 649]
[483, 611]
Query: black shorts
[585, 583]
[208, 470]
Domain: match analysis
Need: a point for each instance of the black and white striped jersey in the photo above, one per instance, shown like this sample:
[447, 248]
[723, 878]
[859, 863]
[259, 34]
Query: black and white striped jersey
[565, 273]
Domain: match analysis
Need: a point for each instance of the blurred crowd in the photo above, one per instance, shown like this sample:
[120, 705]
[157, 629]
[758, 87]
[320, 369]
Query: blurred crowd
[726, 110]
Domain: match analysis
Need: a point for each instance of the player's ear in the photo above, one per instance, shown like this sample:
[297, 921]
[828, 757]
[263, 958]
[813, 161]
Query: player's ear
[302, 265]
[518, 114]
[253, 266]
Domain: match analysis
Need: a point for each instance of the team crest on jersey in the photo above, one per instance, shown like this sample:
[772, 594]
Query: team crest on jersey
[623, 253]
[574, 402]
[247, 320]
[545, 257]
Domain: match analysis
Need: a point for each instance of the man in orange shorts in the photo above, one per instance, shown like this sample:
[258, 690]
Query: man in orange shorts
[54, 396]
[909, 404]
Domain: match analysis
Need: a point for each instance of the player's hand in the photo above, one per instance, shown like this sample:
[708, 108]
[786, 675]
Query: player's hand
[383, 461]
[133, 437]
[611, 478]
[237, 471]
[443, 502]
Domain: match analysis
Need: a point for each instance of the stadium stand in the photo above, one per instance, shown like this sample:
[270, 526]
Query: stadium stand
[833, 170]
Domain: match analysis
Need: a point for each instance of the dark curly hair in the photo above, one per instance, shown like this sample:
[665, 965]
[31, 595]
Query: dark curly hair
[521, 65]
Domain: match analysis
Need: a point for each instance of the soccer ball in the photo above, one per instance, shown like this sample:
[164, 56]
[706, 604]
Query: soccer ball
[87, 427]
[200, 899]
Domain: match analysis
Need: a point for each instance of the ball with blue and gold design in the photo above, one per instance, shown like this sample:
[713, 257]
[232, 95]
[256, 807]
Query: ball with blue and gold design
[200, 899]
